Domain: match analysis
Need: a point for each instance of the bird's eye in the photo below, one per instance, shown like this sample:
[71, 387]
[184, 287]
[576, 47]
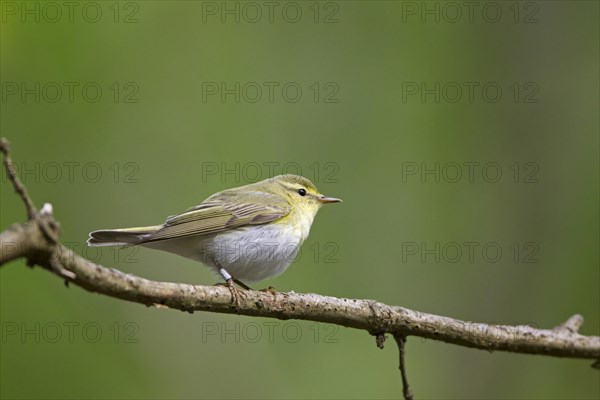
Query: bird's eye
[302, 192]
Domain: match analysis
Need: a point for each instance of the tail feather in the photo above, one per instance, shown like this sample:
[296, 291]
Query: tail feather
[121, 237]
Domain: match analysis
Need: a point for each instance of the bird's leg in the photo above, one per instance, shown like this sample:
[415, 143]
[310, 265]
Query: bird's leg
[229, 282]
[242, 284]
[235, 293]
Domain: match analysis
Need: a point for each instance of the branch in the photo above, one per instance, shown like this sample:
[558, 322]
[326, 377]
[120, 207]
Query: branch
[35, 241]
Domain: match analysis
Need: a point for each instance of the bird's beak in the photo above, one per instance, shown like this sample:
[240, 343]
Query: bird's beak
[324, 199]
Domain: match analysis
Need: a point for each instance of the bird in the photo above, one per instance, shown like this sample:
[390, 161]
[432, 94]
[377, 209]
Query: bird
[244, 234]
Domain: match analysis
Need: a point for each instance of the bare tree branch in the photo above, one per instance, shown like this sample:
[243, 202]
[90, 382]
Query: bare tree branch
[27, 240]
[36, 240]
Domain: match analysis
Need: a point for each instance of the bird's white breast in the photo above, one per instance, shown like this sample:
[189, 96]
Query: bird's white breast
[257, 252]
[251, 253]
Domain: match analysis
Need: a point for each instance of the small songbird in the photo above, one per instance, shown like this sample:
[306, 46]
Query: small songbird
[245, 234]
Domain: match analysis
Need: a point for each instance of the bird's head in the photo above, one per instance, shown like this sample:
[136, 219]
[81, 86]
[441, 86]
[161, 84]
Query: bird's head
[300, 193]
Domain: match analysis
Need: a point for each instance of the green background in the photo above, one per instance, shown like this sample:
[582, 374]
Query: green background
[153, 155]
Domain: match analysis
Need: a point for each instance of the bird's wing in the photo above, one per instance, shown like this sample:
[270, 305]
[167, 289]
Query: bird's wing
[220, 212]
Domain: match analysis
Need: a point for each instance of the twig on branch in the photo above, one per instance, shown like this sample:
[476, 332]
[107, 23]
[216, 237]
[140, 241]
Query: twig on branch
[49, 226]
[380, 340]
[37, 241]
[401, 341]
[572, 325]
[16, 182]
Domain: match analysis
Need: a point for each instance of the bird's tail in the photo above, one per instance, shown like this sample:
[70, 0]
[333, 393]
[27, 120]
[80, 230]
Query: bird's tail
[121, 237]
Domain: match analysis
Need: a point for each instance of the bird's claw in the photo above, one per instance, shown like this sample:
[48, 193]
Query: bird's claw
[235, 292]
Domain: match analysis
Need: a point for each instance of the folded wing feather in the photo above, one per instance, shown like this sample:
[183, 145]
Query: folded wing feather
[218, 213]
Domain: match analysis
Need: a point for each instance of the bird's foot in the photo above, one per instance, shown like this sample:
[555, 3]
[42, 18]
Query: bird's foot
[235, 293]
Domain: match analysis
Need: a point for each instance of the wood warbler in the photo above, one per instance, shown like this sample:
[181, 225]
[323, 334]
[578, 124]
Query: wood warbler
[246, 234]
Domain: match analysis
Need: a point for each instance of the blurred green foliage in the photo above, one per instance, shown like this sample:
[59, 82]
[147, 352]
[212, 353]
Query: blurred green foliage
[163, 133]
